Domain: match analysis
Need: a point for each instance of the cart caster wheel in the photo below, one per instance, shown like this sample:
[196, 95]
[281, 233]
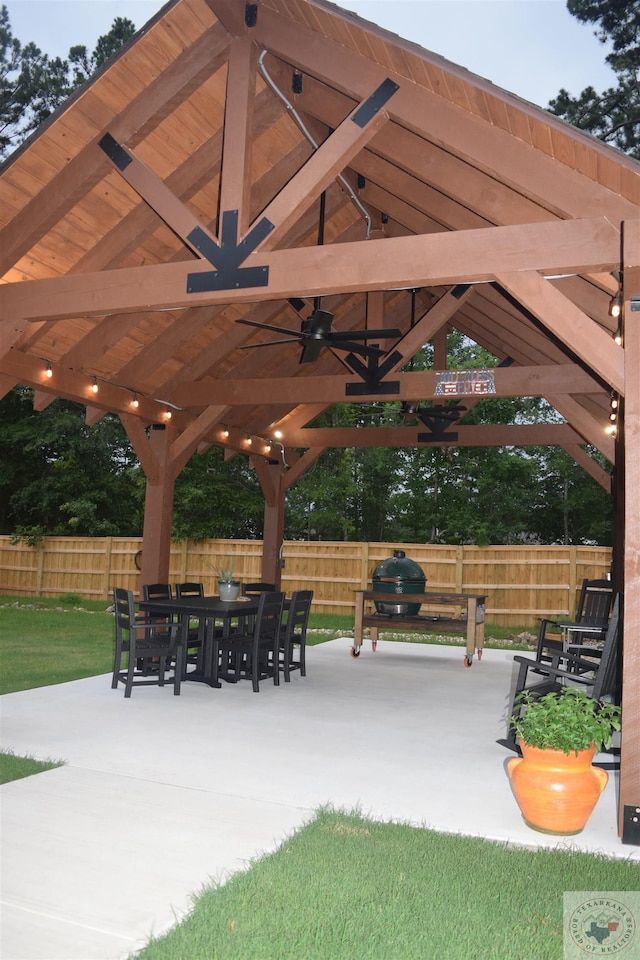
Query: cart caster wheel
[468, 661]
[355, 651]
[374, 645]
[479, 654]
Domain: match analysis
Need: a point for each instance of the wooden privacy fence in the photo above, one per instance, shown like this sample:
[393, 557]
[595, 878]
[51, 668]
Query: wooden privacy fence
[521, 583]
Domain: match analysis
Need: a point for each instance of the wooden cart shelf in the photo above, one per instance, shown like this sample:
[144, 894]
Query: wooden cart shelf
[469, 623]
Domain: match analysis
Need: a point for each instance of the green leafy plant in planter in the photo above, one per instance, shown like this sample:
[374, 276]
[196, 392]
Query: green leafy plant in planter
[566, 720]
[224, 572]
[554, 781]
[228, 587]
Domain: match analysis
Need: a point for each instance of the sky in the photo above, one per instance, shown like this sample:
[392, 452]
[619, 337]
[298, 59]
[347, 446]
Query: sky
[531, 48]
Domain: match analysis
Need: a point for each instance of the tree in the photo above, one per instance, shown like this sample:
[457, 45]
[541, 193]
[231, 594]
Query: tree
[32, 85]
[60, 477]
[614, 114]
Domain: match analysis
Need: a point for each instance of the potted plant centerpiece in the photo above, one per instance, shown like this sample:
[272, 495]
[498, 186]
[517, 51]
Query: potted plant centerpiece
[559, 734]
[227, 586]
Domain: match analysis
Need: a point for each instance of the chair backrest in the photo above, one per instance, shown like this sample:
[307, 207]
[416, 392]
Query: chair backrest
[594, 605]
[157, 591]
[608, 679]
[253, 589]
[298, 614]
[269, 616]
[124, 609]
[189, 590]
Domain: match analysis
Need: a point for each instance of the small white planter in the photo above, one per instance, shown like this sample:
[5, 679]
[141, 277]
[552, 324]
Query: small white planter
[229, 590]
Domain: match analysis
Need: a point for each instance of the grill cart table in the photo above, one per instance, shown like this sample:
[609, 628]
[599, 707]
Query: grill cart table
[455, 613]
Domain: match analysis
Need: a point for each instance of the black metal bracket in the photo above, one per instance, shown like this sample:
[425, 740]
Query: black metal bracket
[631, 824]
[372, 374]
[228, 256]
[437, 419]
[373, 104]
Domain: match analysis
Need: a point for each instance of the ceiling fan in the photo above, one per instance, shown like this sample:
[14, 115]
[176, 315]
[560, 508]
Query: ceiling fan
[316, 333]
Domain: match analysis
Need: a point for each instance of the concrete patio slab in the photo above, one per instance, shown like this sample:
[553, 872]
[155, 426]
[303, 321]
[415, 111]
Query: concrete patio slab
[161, 795]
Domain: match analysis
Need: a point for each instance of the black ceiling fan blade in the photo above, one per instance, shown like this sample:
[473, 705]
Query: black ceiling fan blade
[388, 334]
[268, 343]
[311, 349]
[269, 327]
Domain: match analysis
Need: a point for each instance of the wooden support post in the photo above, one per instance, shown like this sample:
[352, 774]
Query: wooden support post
[271, 476]
[158, 511]
[629, 797]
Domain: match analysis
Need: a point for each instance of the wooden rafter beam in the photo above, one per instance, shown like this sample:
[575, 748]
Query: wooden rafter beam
[482, 435]
[509, 381]
[574, 246]
[559, 315]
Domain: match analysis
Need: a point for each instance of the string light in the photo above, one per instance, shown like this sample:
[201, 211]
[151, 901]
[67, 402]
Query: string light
[225, 433]
[135, 402]
[94, 386]
[249, 441]
[615, 305]
[48, 371]
[168, 414]
[278, 434]
[612, 426]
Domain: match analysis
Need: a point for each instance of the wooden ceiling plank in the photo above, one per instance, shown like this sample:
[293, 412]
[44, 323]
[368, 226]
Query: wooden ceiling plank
[574, 246]
[569, 324]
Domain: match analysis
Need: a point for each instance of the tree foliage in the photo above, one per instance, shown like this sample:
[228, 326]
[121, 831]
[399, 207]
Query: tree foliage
[614, 114]
[60, 477]
[33, 85]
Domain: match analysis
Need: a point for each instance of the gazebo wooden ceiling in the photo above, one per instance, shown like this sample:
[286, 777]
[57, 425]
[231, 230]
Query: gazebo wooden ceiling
[239, 160]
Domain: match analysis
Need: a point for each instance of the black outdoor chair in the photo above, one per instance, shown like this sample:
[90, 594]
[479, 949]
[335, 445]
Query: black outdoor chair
[293, 634]
[155, 591]
[255, 589]
[254, 655]
[141, 640]
[594, 608]
[194, 632]
[598, 673]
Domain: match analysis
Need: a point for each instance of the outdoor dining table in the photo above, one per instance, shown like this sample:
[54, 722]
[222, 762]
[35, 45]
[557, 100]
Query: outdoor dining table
[211, 612]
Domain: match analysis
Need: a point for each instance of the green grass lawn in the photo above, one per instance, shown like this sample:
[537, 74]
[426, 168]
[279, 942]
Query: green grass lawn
[347, 888]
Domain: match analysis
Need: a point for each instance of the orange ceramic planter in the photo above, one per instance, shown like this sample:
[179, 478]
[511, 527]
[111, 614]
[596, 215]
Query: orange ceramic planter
[556, 792]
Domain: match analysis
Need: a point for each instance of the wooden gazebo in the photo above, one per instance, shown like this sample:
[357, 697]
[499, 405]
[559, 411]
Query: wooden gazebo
[287, 163]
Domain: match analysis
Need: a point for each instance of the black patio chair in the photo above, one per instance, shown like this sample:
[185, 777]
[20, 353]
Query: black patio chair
[156, 591]
[254, 655]
[142, 639]
[597, 672]
[194, 632]
[293, 634]
[255, 589]
[593, 610]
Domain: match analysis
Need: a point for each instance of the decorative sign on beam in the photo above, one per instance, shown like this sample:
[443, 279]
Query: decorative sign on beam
[464, 383]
